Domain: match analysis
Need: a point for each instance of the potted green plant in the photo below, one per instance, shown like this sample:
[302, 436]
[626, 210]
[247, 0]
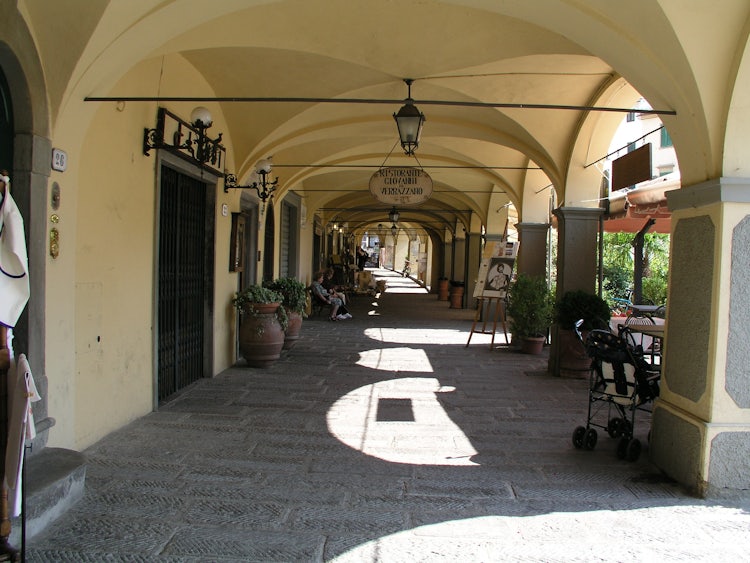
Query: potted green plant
[263, 324]
[577, 305]
[530, 308]
[294, 303]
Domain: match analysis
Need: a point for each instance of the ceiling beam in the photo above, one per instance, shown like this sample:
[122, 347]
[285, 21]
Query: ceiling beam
[500, 105]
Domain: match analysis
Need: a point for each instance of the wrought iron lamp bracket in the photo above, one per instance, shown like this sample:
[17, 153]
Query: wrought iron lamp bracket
[189, 141]
[264, 188]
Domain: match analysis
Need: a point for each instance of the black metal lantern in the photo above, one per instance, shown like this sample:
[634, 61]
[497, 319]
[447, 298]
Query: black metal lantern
[393, 215]
[409, 121]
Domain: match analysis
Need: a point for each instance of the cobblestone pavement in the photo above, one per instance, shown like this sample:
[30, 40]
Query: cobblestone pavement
[384, 438]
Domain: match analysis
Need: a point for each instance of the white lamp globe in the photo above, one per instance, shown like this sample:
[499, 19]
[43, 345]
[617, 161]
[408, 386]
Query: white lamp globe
[201, 117]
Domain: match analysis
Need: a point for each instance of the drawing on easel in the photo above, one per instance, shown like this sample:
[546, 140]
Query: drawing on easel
[494, 277]
[497, 280]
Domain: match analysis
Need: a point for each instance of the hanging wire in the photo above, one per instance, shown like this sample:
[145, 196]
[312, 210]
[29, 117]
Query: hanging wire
[623, 147]
[389, 154]
[419, 163]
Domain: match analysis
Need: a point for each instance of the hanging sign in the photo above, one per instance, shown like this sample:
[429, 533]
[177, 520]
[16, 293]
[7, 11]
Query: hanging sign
[401, 185]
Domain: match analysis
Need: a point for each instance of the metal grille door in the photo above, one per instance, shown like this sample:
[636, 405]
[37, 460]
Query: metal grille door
[182, 281]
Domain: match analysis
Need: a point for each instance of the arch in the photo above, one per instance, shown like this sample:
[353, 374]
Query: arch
[29, 175]
[736, 163]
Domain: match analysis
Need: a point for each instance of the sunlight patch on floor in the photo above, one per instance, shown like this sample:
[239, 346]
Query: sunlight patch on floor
[396, 359]
[417, 335]
[391, 419]
[405, 288]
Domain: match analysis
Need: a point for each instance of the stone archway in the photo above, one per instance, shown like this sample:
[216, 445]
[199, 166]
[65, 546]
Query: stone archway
[29, 174]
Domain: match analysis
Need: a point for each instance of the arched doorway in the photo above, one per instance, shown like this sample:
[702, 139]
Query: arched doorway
[268, 246]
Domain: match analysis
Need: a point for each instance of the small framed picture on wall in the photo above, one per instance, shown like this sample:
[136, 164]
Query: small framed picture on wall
[237, 244]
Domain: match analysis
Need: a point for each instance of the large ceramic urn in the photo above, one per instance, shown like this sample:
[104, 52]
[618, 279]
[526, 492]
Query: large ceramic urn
[293, 329]
[261, 335]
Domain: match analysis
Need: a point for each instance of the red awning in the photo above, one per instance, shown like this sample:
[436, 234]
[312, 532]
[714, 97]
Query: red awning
[629, 211]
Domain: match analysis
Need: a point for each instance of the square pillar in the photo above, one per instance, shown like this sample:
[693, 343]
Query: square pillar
[701, 421]
[533, 251]
[577, 235]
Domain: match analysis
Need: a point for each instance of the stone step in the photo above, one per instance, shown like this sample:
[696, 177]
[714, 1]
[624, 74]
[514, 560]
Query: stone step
[54, 481]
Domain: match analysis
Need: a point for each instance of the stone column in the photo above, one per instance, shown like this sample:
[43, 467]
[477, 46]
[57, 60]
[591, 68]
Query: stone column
[577, 235]
[701, 421]
[532, 253]
[458, 258]
[473, 262]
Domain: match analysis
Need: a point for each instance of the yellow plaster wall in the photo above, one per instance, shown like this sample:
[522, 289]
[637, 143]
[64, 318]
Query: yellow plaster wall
[113, 284]
[100, 290]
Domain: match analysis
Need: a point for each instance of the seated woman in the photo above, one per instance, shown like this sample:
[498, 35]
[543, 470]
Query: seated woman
[333, 288]
[338, 309]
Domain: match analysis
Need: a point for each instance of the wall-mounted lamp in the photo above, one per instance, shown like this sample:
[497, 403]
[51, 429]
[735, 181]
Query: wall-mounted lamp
[258, 180]
[394, 230]
[409, 121]
[197, 147]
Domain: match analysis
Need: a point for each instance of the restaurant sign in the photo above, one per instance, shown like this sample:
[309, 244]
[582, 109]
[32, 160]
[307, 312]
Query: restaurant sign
[401, 185]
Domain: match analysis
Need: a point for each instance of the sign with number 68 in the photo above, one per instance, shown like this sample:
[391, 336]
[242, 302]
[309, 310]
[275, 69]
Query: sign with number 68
[59, 160]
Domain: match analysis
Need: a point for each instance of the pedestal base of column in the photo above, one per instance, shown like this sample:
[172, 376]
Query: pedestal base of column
[711, 459]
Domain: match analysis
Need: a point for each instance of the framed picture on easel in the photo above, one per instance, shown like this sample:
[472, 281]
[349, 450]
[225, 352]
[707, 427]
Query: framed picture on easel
[496, 270]
[498, 275]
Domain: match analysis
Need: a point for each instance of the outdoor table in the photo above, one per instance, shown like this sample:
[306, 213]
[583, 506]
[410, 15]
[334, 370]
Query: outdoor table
[655, 334]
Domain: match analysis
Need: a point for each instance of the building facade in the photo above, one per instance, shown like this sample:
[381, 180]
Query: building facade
[135, 253]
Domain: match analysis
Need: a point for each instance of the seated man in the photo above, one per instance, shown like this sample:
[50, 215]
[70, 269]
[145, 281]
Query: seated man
[338, 309]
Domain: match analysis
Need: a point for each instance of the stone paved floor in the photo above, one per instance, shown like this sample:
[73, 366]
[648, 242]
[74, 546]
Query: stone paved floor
[383, 438]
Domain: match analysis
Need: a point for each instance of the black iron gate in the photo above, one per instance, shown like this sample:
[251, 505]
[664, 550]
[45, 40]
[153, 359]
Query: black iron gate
[185, 243]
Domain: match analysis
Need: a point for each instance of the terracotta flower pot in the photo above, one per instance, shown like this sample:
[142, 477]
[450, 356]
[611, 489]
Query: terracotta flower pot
[261, 337]
[457, 296]
[574, 362]
[443, 290]
[532, 344]
[293, 329]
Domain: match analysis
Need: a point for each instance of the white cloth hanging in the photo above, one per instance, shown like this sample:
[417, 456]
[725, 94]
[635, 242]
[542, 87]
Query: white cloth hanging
[21, 393]
[14, 263]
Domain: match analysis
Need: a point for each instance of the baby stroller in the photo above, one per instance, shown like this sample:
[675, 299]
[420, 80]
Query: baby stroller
[622, 382]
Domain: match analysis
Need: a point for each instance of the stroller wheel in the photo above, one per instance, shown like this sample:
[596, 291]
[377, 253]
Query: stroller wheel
[589, 441]
[627, 428]
[634, 449]
[615, 427]
[578, 435]
[622, 448]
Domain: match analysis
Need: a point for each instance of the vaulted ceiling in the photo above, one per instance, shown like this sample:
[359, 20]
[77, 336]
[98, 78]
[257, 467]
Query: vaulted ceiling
[514, 92]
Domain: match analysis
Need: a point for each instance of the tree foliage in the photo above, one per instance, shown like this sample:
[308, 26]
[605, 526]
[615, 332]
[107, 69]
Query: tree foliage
[618, 265]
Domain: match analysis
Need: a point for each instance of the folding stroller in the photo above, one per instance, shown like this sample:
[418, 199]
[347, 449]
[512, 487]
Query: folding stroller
[621, 383]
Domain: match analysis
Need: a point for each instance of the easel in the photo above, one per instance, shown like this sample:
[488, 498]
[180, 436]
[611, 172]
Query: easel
[496, 303]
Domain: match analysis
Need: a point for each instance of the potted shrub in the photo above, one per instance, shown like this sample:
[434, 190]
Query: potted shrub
[263, 324]
[530, 308]
[572, 307]
[294, 303]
